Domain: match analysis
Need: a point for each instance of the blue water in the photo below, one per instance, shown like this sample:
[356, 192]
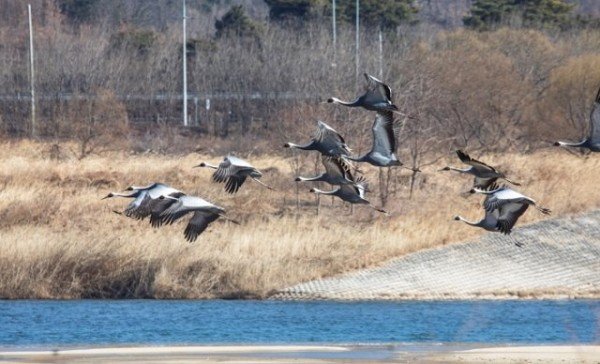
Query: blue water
[105, 322]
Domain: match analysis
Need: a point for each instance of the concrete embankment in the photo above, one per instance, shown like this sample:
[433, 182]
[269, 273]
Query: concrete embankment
[560, 258]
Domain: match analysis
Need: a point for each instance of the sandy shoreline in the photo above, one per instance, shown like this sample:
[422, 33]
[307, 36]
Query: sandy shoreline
[309, 354]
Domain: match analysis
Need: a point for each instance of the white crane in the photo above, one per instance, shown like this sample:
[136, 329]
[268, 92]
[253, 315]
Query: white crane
[337, 172]
[509, 204]
[233, 171]
[489, 221]
[378, 97]
[325, 140]
[592, 142]
[484, 175]
[203, 211]
[383, 151]
[147, 201]
[353, 193]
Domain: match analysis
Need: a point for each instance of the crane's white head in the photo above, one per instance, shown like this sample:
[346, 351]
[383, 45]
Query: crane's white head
[108, 196]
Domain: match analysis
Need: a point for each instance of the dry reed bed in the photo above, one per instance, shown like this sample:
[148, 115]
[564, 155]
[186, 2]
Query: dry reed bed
[59, 240]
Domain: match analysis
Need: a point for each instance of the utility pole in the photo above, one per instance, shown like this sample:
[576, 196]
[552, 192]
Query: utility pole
[31, 73]
[357, 56]
[333, 19]
[380, 54]
[185, 111]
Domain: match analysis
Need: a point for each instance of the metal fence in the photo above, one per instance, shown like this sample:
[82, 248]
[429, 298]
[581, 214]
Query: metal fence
[204, 109]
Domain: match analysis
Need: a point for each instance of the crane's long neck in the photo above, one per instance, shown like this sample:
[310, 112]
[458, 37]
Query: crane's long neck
[135, 193]
[308, 146]
[335, 100]
[460, 170]
[321, 192]
[567, 144]
[486, 192]
[204, 164]
[472, 223]
[307, 179]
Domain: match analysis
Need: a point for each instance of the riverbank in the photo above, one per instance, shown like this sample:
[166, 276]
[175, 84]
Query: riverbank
[559, 259]
[59, 240]
[450, 353]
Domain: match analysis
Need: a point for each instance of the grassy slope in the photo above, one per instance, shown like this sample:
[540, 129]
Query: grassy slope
[59, 240]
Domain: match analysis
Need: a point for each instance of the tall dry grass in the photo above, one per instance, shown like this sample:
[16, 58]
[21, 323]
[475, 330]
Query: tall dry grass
[59, 240]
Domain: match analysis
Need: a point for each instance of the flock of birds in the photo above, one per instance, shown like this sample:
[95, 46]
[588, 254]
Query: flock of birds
[502, 205]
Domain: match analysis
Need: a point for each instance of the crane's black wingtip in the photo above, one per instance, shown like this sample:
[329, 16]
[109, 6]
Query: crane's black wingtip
[462, 155]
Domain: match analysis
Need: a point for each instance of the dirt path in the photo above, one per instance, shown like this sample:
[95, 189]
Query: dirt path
[560, 258]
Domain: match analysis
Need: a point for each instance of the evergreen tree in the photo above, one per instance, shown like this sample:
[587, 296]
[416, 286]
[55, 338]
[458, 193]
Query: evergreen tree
[236, 22]
[387, 14]
[78, 11]
[486, 14]
[291, 9]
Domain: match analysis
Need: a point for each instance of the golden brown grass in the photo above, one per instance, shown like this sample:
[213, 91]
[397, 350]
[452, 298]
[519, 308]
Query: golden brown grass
[59, 240]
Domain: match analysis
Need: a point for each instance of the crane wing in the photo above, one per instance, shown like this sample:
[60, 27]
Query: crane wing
[466, 159]
[139, 208]
[198, 223]
[329, 141]
[176, 211]
[358, 188]
[337, 167]
[234, 183]
[158, 206]
[382, 88]
[509, 214]
[484, 183]
[384, 138]
[228, 172]
[224, 171]
[239, 162]
[327, 133]
[160, 189]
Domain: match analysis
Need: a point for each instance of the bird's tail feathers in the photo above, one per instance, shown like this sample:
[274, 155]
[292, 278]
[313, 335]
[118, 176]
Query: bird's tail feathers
[362, 181]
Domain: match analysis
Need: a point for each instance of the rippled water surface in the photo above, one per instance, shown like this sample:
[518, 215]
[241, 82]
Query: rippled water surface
[104, 322]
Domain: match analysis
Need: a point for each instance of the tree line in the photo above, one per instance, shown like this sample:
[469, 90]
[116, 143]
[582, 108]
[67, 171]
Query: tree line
[495, 83]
